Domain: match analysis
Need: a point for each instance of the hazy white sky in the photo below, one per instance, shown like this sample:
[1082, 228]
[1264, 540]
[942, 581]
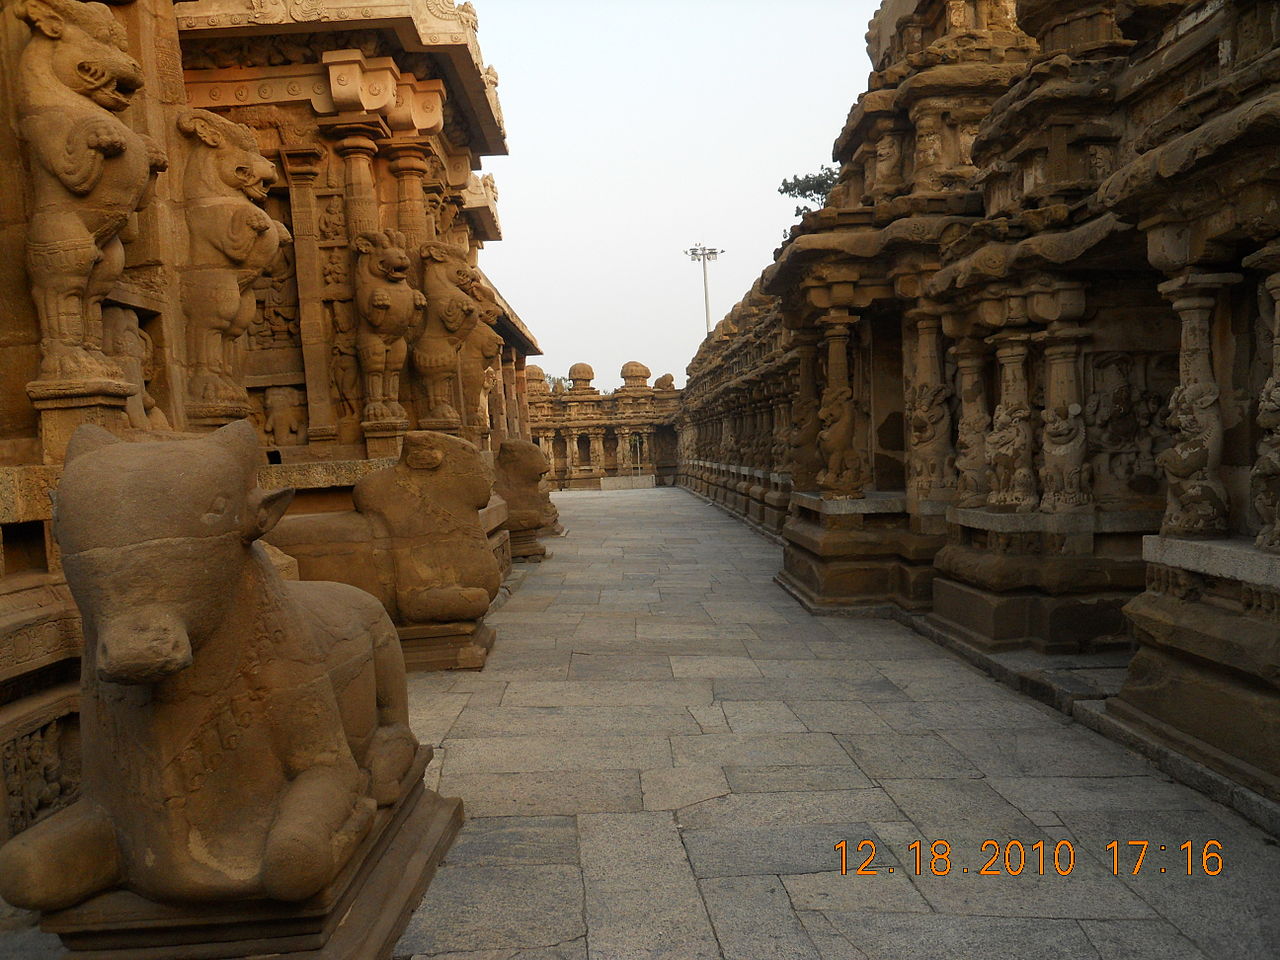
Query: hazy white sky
[639, 127]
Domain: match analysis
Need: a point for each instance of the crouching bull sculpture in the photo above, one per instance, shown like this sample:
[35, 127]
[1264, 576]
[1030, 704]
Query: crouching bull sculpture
[239, 731]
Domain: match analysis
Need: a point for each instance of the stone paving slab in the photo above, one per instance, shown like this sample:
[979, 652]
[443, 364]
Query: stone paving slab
[786, 733]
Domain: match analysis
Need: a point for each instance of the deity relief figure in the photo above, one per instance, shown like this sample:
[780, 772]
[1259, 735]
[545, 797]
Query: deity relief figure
[1265, 478]
[452, 315]
[1066, 477]
[233, 242]
[387, 307]
[286, 417]
[1197, 505]
[333, 220]
[932, 461]
[1010, 456]
[90, 174]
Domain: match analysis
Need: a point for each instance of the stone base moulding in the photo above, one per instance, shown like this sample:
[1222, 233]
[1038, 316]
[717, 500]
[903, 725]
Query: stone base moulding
[1008, 580]
[464, 645]
[525, 546]
[1206, 677]
[360, 916]
[855, 553]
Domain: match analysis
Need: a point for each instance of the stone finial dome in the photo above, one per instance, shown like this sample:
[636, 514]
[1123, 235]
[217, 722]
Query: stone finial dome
[635, 376]
[581, 374]
[536, 378]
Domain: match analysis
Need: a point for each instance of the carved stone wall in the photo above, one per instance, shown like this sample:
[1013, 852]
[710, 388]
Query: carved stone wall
[1061, 226]
[201, 228]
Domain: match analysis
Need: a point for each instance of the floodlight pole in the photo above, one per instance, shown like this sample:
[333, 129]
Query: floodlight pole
[700, 251]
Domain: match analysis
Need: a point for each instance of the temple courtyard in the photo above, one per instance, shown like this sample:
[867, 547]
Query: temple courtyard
[664, 750]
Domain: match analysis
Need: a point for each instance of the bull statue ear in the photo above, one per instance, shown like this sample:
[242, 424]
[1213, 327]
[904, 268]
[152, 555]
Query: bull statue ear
[265, 508]
[88, 438]
[241, 438]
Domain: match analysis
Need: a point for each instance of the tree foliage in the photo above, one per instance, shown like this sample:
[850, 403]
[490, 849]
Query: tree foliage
[811, 188]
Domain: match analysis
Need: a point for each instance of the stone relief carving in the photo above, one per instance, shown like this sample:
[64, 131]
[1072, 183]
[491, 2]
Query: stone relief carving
[40, 774]
[1197, 499]
[1065, 478]
[842, 472]
[932, 462]
[285, 424]
[90, 174]
[276, 322]
[1265, 476]
[1010, 453]
[130, 347]
[452, 315]
[387, 307]
[333, 220]
[344, 365]
[210, 687]
[233, 241]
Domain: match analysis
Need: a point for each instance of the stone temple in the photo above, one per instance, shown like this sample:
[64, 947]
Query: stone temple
[960, 545]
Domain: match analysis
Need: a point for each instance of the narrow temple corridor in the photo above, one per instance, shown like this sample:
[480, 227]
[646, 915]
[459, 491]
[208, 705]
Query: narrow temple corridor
[664, 750]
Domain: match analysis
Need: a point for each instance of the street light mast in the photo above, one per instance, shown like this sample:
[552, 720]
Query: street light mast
[700, 251]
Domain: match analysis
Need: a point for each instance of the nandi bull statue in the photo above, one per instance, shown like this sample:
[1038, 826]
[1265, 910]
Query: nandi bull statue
[240, 732]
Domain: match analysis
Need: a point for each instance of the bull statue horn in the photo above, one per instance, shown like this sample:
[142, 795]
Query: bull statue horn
[88, 438]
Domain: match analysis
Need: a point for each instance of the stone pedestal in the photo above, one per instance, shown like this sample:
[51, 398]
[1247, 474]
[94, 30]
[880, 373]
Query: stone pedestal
[360, 915]
[463, 645]
[856, 553]
[64, 405]
[383, 438]
[1204, 679]
[1052, 581]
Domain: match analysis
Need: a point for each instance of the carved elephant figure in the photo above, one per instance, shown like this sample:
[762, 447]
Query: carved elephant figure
[90, 173]
[239, 731]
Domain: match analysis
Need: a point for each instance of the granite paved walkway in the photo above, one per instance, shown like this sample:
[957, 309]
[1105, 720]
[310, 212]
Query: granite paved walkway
[664, 749]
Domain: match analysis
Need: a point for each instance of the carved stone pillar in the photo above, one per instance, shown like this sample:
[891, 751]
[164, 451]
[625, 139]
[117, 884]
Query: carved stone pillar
[522, 400]
[932, 474]
[1010, 445]
[499, 427]
[1197, 505]
[973, 479]
[597, 447]
[301, 167]
[843, 473]
[357, 149]
[625, 460]
[1065, 476]
[409, 166]
[510, 395]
